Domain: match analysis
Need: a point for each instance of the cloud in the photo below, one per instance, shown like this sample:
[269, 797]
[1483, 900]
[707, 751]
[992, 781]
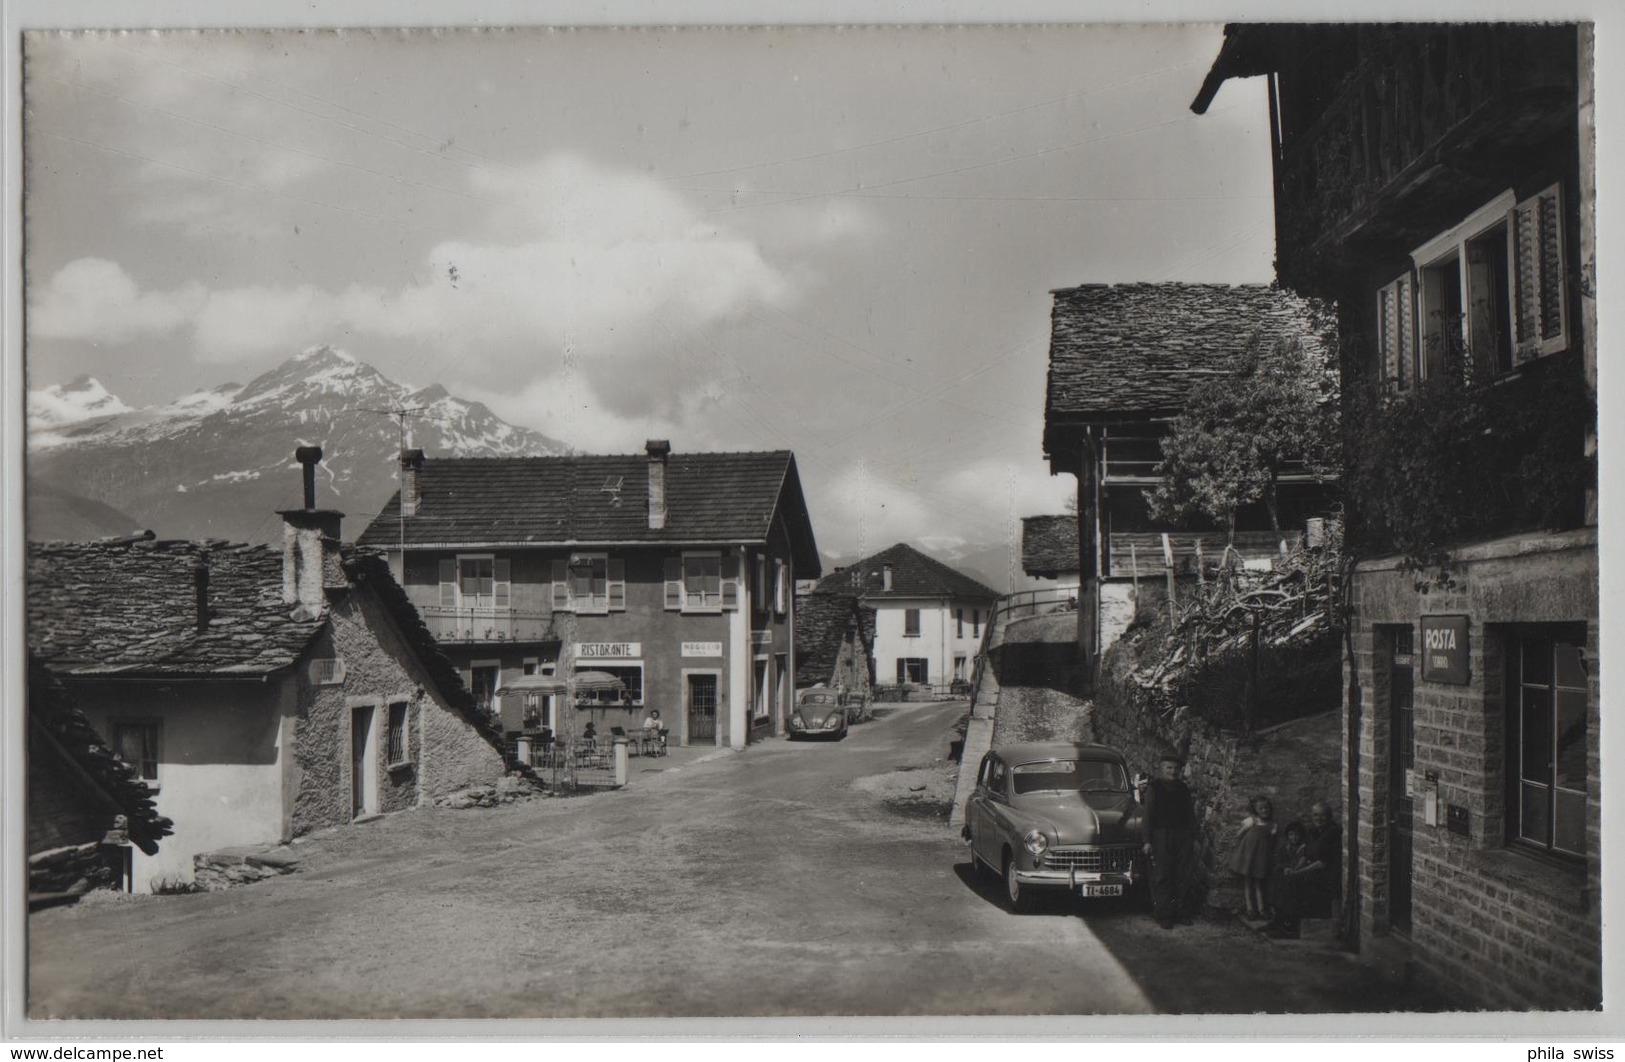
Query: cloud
[603, 267]
[94, 298]
[862, 509]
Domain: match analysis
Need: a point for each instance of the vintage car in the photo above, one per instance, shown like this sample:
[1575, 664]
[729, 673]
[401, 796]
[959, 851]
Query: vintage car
[1056, 816]
[819, 712]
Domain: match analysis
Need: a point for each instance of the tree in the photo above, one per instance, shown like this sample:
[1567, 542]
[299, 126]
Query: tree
[1238, 434]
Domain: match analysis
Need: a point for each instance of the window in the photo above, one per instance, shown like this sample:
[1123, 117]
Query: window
[759, 585]
[1547, 743]
[589, 583]
[976, 623]
[398, 744]
[911, 623]
[995, 776]
[1490, 293]
[959, 623]
[530, 665]
[631, 693]
[476, 581]
[137, 745]
[959, 667]
[780, 588]
[913, 670]
[702, 581]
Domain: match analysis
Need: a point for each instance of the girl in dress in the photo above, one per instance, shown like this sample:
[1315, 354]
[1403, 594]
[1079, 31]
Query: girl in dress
[1251, 859]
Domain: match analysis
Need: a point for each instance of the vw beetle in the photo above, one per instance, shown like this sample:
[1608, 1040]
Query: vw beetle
[1056, 816]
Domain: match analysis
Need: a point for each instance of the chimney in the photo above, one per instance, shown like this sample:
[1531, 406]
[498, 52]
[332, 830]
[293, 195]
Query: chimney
[411, 465]
[310, 544]
[200, 589]
[658, 450]
[885, 578]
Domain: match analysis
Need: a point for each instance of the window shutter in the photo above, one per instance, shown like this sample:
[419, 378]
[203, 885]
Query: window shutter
[730, 580]
[674, 582]
[1539, 300]
[561, 586]
[1388, 333]
[615, 588]
[1405, 297]
[501, 583]
[778, 587]
[448, 584]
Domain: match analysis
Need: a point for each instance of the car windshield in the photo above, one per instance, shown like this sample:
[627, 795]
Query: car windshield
[817, 698]
[1070, 776]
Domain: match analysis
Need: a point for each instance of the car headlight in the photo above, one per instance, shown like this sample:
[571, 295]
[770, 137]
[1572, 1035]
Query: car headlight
[832, 722]
[1036, 842]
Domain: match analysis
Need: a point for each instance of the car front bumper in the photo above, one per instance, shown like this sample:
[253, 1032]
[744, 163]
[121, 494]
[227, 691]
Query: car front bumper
[1074, 878]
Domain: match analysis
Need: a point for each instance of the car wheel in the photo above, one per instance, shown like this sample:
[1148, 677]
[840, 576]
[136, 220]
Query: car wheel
[1020, 899]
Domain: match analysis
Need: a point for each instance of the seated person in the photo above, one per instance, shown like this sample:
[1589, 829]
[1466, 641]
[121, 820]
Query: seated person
[651, 721]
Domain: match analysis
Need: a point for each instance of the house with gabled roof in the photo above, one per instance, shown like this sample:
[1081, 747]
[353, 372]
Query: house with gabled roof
[259, 693]
[1123, 360]
[671, 573]
[928, 615]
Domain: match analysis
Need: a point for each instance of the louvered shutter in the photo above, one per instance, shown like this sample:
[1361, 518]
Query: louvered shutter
[1405, 312]
[615, 584]
[1539, 300]
[779, 581]
[561, 586]
[1388, 333]
[448, 584]
[501, 583]
[674, 582]
[730, 580]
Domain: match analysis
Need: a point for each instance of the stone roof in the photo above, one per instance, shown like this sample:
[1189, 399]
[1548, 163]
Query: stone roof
[53, 711]
[913, 575]
[587, 499]
[1049, 545]
[822, 619]
[1130, 351]
[128, 607]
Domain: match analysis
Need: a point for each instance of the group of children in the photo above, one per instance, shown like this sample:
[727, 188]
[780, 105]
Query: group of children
[1258, 859]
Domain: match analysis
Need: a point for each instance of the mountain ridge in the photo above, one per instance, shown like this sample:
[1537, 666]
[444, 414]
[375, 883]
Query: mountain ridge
[218, 463]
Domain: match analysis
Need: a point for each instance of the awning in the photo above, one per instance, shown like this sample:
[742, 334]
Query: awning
[595, 681]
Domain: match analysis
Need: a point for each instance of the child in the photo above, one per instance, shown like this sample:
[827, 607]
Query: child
[1251, 859]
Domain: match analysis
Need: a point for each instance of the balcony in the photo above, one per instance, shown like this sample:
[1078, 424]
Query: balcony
[1431, 122]
[475, 626]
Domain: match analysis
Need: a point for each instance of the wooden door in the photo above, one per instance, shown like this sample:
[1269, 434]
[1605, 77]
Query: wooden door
[702, 708]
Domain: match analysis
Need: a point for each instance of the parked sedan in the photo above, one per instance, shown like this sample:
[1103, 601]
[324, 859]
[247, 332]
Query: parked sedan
[819, 713]
[1055, 816]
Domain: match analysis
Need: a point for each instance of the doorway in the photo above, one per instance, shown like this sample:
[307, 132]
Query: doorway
[702, 707]
[1401, 762]
[363, 763]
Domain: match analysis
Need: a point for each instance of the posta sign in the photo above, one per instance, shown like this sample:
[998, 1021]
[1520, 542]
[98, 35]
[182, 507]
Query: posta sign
[1444, 649]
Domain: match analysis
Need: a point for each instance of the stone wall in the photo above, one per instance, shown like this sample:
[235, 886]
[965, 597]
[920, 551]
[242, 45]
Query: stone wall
[444, 752]
[1491, 924]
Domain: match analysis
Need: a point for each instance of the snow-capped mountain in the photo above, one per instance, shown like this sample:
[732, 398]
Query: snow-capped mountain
[71, 403]
[219, 463]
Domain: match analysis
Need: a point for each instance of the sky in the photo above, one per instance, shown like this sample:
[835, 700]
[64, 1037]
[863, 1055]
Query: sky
[838, 242]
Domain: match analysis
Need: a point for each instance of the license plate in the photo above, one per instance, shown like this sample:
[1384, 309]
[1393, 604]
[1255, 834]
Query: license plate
[1102, 890]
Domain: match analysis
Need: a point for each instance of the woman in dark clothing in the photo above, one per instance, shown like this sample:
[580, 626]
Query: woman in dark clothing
[1311, 884]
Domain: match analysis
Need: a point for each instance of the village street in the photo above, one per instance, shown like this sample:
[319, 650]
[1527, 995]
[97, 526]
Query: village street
[789, 879]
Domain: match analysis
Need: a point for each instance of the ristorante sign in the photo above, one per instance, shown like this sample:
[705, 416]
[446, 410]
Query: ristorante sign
[608, 650]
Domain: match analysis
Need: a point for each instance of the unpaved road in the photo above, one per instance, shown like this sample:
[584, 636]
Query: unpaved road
[790, 879]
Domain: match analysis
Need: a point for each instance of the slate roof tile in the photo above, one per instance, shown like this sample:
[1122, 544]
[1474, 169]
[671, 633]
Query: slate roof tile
[1049, 545]
[1129, 350]
[822, 619]
[130, 607]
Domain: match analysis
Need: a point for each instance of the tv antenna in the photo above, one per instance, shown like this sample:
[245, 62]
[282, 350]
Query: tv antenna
[400, 413]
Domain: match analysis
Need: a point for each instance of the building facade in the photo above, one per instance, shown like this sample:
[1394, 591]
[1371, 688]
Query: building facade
[1123, 360]
[258, 693]
[673, 574]
[928, 618]
[1436, 181]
